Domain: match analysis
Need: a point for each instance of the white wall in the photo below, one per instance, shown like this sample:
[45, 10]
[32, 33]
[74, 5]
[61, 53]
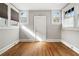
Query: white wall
[71, 35]
[53, 30]
[9, 35]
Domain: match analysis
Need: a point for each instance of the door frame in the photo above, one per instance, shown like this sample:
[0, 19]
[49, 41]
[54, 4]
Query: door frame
[45, 29]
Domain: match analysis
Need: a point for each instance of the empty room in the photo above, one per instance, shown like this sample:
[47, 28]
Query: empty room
[39, 29]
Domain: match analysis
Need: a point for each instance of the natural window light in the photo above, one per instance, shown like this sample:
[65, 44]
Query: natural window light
[24, 16]
[56, 15]
[30, 32]
[78, 20]
[3, 22]
[68, 20]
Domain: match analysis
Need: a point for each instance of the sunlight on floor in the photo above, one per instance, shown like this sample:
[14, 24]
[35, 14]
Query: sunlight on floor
[31, 50]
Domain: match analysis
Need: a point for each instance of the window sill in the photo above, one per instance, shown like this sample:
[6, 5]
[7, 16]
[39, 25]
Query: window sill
[10, 27]
[71, 29]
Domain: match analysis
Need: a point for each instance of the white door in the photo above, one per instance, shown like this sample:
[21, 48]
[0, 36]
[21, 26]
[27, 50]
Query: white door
[40, 28]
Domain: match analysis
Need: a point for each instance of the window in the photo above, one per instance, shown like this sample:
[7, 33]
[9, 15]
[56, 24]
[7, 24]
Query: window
[24, 16]
[56, 17]
[14, 15]
[69, 18]
[77, 20]
[14, 18]
[3, 15]
[13, 23]
[68, 22]
[2, 22]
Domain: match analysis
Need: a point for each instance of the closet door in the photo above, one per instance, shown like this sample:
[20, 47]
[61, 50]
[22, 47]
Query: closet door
[40, 28]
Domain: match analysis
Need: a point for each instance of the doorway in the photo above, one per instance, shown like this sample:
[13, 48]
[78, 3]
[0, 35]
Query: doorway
[40, 28]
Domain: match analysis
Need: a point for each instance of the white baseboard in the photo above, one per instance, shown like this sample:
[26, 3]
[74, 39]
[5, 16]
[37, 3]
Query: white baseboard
[8, 47]
[48, 40]
[26, 40]
[70, 46]
[52, 40]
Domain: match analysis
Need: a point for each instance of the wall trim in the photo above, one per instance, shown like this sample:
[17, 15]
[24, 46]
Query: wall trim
[70, 46]
[52, 40]
[8, 47]
[48, 40]
[27, 40]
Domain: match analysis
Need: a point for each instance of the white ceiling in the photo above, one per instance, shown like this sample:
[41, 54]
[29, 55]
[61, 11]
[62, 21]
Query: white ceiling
[39, 6]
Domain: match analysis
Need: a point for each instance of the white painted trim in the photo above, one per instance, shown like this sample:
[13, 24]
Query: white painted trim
[48, 40]
[27, 40]
[70, 46]
[11, 6]
[8, 47]
[52, 40]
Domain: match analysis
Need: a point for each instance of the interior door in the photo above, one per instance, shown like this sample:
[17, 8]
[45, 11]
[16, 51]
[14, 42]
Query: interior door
[40, 28]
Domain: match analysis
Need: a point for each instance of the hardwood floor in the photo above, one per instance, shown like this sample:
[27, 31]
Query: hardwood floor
[40, 49]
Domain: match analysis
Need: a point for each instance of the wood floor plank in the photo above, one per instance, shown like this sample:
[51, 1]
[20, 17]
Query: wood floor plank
[40, 49]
